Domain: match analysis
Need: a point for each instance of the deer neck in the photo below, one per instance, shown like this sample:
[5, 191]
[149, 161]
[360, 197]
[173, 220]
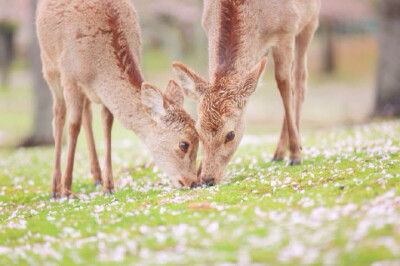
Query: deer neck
[121, 83]
[233, 44]
[124, 102]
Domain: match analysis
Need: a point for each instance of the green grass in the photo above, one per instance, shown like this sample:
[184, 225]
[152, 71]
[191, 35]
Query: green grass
[341, 207]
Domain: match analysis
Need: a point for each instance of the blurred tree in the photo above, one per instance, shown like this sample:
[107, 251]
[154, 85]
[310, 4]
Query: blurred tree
[388, 83]
[335, 13]
[328, 48]
[7, 32]
[42, 133]
[177, 29]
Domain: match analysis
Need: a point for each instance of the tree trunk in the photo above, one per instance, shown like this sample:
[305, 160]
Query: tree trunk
[42, 133]
[328, 50]
[6, 53]
[388, 81]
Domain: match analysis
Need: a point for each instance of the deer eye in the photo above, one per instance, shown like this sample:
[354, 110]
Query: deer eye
[184, 146]
[231, 136]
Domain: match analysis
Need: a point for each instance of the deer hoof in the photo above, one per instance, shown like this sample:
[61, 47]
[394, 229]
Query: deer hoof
[108, 192]
[277, 159]
[293, 162]
[66, 198]
[66, 194]
[55, 195]
[97, 183]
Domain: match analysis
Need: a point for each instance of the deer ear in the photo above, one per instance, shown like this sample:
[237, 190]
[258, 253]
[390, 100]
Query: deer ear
[174, 93]
[152, 99]
[192, 84]
[252, 80]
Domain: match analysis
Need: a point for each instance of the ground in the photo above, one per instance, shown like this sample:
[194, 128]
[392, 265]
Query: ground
[341, 207]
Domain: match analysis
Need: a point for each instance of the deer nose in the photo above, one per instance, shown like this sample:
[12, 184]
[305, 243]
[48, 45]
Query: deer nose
[209, 182]
[187, 184]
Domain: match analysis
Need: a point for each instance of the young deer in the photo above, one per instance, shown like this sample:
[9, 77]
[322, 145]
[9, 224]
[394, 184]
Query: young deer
[91, 53]
[239, 34]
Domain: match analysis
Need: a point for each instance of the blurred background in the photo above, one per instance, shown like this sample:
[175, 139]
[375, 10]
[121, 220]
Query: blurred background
[354, 66]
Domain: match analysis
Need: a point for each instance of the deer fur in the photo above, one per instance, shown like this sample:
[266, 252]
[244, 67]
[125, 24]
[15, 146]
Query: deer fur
[91, 52]
[240, 32]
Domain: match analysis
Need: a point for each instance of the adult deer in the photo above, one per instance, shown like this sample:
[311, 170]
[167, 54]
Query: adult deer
[239, 34]
[91, 53]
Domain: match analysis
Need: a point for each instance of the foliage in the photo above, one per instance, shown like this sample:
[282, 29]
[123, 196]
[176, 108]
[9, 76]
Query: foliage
[341, 207]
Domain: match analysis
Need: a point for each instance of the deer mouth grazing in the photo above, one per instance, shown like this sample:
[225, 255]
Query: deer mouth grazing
[184, 182]
[208, 180]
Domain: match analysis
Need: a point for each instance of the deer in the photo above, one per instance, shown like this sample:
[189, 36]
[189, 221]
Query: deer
[240, 35]
[91, 53]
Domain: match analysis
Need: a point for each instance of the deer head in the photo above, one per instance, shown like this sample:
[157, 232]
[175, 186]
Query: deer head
[221, 112]
[174, 141]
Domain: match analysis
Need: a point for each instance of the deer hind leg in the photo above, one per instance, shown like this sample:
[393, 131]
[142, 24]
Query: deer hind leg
[303, 41]
[53, 80]
[108, 181]
[283, 57]
[283, 143]
[75, 102]
[94, 161]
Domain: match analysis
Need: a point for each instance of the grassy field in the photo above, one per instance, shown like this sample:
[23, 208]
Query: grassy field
[341, 207]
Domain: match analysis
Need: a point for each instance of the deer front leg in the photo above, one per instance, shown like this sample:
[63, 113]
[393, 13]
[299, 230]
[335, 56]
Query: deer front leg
[75, 101]
[94, 161]
[108, 181]
[53, 80]
[284, 56]
[58, 126]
